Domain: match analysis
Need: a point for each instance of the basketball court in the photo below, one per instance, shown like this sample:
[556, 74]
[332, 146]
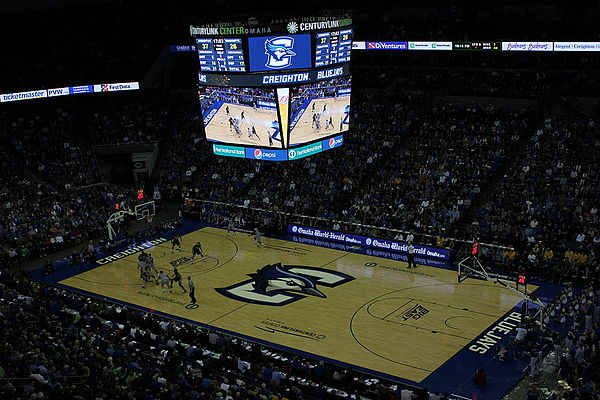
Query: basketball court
[304, 130]
[369, 313]
[218, 128]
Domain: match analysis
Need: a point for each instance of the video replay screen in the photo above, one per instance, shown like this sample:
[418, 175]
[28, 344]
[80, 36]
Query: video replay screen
[245, 116]
[319, 110]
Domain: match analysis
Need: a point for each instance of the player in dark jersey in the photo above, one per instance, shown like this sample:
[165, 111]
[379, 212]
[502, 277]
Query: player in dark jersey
[231, 124]
[197, 250]
[329, 123]
[143, 256]
[176, 241]
[177, 278]
[242, 116]
[227, 111]
[146, 277]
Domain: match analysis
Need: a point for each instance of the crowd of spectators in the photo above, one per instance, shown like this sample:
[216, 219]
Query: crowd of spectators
[83, 44]
[60, 345]
[415, 168]
[548, 199]
[35, 224]
[46, 138]
[125, 118]
[566, 348]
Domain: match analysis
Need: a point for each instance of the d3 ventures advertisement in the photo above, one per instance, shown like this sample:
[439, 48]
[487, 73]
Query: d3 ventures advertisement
[273, 53]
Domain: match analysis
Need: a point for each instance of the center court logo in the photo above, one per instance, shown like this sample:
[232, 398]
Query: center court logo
[278, 285]
[279, 52]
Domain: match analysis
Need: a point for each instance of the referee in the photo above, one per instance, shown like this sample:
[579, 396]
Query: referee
[192, 289]
[411, 256]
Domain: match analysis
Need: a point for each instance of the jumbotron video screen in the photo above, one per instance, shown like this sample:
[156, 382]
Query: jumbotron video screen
[280, 90]
[319, 110]
[246, 116]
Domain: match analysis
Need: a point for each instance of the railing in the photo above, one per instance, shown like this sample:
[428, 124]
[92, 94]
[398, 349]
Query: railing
[314, 221]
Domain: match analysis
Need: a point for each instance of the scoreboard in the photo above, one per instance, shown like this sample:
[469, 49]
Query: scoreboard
[495, 46]
[221, 55]
[333, 47]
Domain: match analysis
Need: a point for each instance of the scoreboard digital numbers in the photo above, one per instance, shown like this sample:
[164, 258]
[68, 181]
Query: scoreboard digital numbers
[495, 46]
[333, 47]
[221, 55]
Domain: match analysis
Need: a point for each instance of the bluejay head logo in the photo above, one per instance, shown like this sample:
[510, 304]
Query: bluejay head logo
[279, 52]
[278, 285]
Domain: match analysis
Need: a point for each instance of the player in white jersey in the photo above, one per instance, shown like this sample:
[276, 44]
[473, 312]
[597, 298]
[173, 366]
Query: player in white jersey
[230, 226]
[164, 281]
[142, 266]
[151, 266]
[257, 238]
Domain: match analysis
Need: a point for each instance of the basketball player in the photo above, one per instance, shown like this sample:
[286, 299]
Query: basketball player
[143, 255]
[313, 106]
[242, 116]
[192, 289]
[177, 278]
[231, 124]
[142, 266]
[230, 226]
[197, 249]
[145, 277]
[324, 107]
[329, 123]
[227, 112]
[254, 133]
[150, 266]
[257, 238]
[164, 282]
[176, 241]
